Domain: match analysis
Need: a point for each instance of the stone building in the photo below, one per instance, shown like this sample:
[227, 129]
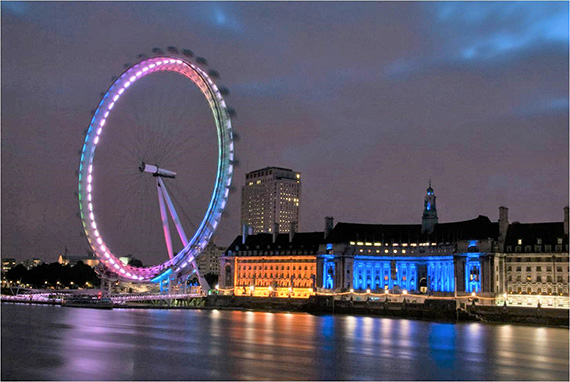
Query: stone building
[209, 259]
[424, 258]
[271, 265]
[271, 198]
[533, 258]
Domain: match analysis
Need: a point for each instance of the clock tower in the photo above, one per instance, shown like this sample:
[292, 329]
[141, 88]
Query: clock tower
[429, 218]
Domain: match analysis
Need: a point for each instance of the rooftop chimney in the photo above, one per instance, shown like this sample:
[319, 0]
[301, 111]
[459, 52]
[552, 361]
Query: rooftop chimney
[503, 223]
[329, 225]
[566, 220]
[292, 231]
[275, 231]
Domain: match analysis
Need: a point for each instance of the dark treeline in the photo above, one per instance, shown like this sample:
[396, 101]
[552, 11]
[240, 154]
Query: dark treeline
[54, 274]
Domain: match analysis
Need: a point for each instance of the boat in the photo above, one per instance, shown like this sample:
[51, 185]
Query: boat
[94, 302]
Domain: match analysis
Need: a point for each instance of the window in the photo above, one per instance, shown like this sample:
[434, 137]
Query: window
[517, 248]
[548, 248]
[509, 248]
[549, 268]
[519, 241]
[559, 279]
[538, 279]
[539, 269]
[538, 248]
[527, 248]
[539, 241]
[558, 269]
[518, 278]
[510, 278]
[528, 278]
[548, 279]
[518, 268]
[528, 269]
[509, 268]
[559, 240]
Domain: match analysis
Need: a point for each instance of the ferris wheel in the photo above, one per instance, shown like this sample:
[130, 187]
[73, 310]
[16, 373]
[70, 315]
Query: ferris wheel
[187, 67]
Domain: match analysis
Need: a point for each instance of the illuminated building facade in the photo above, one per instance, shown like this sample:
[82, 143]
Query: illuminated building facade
[423, 258]
[534, 262]
[270, 198]
[7, 264]
[271, 265]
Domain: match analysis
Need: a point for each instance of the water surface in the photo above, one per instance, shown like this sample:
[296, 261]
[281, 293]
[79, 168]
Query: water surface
[58, 343]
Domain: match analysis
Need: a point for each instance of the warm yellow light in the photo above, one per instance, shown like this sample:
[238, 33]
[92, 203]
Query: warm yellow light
[351, 290]
[386, 291]
[405, 291]
[217, 286]
[504, 295]
[359, 243]
[352, 243]
[251, 287]
[270, 288]
[473, 294]
[367, 290]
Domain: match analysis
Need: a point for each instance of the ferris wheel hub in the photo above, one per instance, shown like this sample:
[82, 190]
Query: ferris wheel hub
[156, 171]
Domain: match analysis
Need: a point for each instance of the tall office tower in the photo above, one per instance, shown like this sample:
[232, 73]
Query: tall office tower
[270, 200]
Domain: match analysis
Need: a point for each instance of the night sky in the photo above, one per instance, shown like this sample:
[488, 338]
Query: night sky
[367, 100]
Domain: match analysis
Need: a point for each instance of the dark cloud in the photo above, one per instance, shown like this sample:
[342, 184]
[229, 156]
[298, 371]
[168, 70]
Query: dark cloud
[368, 100]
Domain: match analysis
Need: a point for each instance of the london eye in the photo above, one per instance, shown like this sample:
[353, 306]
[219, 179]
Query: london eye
[150, 167]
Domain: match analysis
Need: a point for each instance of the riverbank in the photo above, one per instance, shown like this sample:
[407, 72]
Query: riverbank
[429, 310]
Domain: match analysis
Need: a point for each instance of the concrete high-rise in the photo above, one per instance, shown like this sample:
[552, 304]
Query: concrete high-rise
[270, 200]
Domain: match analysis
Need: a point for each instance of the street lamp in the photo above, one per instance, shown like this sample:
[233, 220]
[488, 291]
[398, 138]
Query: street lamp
[351, 290]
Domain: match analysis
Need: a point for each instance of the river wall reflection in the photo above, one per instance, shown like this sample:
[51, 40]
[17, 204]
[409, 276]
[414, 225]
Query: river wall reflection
[55, 343]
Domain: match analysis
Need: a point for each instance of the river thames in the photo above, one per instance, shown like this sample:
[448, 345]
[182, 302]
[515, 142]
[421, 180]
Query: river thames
[58, 343]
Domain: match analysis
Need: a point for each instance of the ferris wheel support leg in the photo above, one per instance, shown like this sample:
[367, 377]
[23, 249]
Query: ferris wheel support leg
[173, 213]
[164, 217]
[203, 283]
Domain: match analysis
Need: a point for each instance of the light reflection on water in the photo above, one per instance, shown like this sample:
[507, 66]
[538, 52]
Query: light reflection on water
[47, 342]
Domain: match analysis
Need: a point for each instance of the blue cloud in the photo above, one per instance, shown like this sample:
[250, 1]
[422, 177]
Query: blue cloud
[545, 106]
[477, 33]
[484, 31]
[14, 7]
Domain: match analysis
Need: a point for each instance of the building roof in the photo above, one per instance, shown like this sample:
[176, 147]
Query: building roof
[264, 241]
[271, 168]
[548, 232]
[474, 229]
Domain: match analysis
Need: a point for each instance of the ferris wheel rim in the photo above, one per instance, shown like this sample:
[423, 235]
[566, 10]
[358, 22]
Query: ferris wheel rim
[224, 174]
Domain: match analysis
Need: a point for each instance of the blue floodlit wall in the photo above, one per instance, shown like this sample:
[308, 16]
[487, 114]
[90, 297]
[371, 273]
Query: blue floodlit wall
[377, 273]
[328, 274]
[473, 273]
